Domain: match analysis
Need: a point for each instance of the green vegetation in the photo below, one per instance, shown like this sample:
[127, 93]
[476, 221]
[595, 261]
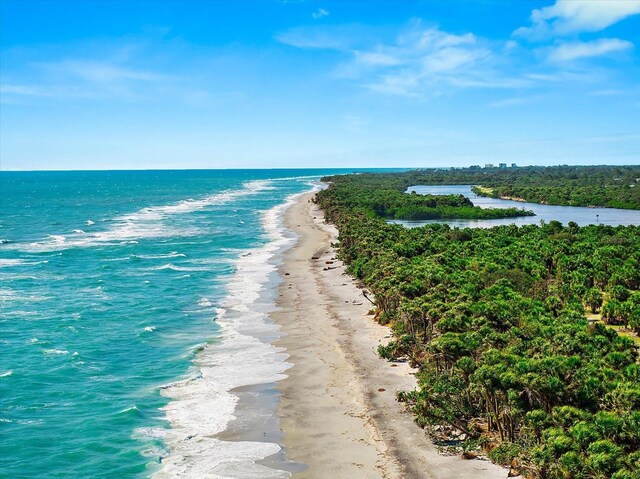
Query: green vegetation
[384, 196]
[598, 186]
[495, 319]
[607, 186]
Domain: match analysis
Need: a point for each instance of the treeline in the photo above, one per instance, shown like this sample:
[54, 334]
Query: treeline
[597, 186]
[384, 196]
[496, 321]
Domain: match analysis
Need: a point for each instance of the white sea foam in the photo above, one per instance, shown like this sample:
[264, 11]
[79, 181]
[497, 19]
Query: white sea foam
[172, 254]
[149, 433]
[55, 351]
[205, 302]
[174, 267]
[149, 222]
[6, 373]
[203, 405]
[8, 262]
[130, 408]
[8, 294]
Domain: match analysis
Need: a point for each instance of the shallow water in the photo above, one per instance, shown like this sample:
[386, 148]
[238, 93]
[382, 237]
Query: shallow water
[131, 305]
[580, 215]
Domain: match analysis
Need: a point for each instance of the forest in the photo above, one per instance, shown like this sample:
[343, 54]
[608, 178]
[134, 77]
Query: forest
[513, 329]
[595, 186]
[384, 196]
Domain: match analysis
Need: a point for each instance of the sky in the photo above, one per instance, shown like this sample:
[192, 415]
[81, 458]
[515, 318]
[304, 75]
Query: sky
[122, 84]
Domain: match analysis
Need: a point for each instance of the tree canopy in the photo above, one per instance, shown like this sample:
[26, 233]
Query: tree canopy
[496, 321]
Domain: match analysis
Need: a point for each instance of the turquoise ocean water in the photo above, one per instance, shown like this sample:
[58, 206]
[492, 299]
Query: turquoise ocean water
[130, 305]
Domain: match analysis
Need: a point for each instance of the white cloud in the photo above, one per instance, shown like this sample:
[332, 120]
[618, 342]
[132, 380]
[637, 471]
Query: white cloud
[509, 102]
[423, 60]
[23, 90]
[403, 83]
[607, 92]
[374, 58]
[567, 52]
[340, 37]
[105, 72]
[422, 56]
[73, 78]
[320, 13]
[567, 17]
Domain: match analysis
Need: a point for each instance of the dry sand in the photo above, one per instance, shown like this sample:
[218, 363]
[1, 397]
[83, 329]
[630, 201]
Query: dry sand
[338, 409]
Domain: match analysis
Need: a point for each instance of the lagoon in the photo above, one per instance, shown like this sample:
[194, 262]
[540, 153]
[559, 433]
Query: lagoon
[581, 215]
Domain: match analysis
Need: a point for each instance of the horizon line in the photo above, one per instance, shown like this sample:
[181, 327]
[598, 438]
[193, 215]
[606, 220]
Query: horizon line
[312, 168]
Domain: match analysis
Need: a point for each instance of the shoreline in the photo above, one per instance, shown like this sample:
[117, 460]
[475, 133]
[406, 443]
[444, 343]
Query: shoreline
[337, 408]
[223, 417]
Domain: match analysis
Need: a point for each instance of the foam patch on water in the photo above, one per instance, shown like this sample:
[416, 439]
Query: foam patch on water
[172, 254]
[149, 222]
[8, 294]
[203, 405]
[5, 263]
[174, 267]
[60, 352]
[9, 262]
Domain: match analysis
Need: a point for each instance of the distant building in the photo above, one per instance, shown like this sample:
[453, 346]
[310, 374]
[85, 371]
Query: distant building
[502, 165]
[489, 165]
[513, 165]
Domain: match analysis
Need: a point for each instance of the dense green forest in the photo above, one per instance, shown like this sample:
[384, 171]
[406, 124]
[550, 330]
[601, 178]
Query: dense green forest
[599, 186]
[497, 320]
[384, 196]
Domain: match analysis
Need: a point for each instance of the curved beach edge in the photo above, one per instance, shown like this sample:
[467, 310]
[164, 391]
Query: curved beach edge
[338, 410]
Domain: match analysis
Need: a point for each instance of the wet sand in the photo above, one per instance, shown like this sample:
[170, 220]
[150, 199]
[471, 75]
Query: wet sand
[338, 410]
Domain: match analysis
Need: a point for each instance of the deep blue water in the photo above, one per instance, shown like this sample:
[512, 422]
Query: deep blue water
[110, 285]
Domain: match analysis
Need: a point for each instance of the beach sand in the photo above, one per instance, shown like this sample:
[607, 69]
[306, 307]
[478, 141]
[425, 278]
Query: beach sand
[338, 410]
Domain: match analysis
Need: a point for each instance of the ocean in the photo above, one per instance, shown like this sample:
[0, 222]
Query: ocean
[132, 304]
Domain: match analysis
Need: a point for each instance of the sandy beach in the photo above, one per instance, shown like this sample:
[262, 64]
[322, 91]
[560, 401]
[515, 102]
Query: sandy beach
[338, 410]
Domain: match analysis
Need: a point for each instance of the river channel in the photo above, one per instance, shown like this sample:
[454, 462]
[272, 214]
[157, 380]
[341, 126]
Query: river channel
[581, 215]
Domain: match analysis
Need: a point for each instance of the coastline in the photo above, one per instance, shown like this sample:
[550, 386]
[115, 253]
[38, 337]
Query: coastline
[223, 421]
[337, 410]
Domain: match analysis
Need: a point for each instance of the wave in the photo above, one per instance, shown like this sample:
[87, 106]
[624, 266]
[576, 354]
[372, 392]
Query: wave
[7, 294]
[205, 303]
[55, 351]
[238, 359]
[4, 263]
[172, 254]
[131, 411]
[8, 262]
[6, 373]
[174, 267]
[300, 178]
[148, 222]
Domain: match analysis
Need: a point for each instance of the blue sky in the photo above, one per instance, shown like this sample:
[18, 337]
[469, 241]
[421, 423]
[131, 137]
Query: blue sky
[192, 84]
